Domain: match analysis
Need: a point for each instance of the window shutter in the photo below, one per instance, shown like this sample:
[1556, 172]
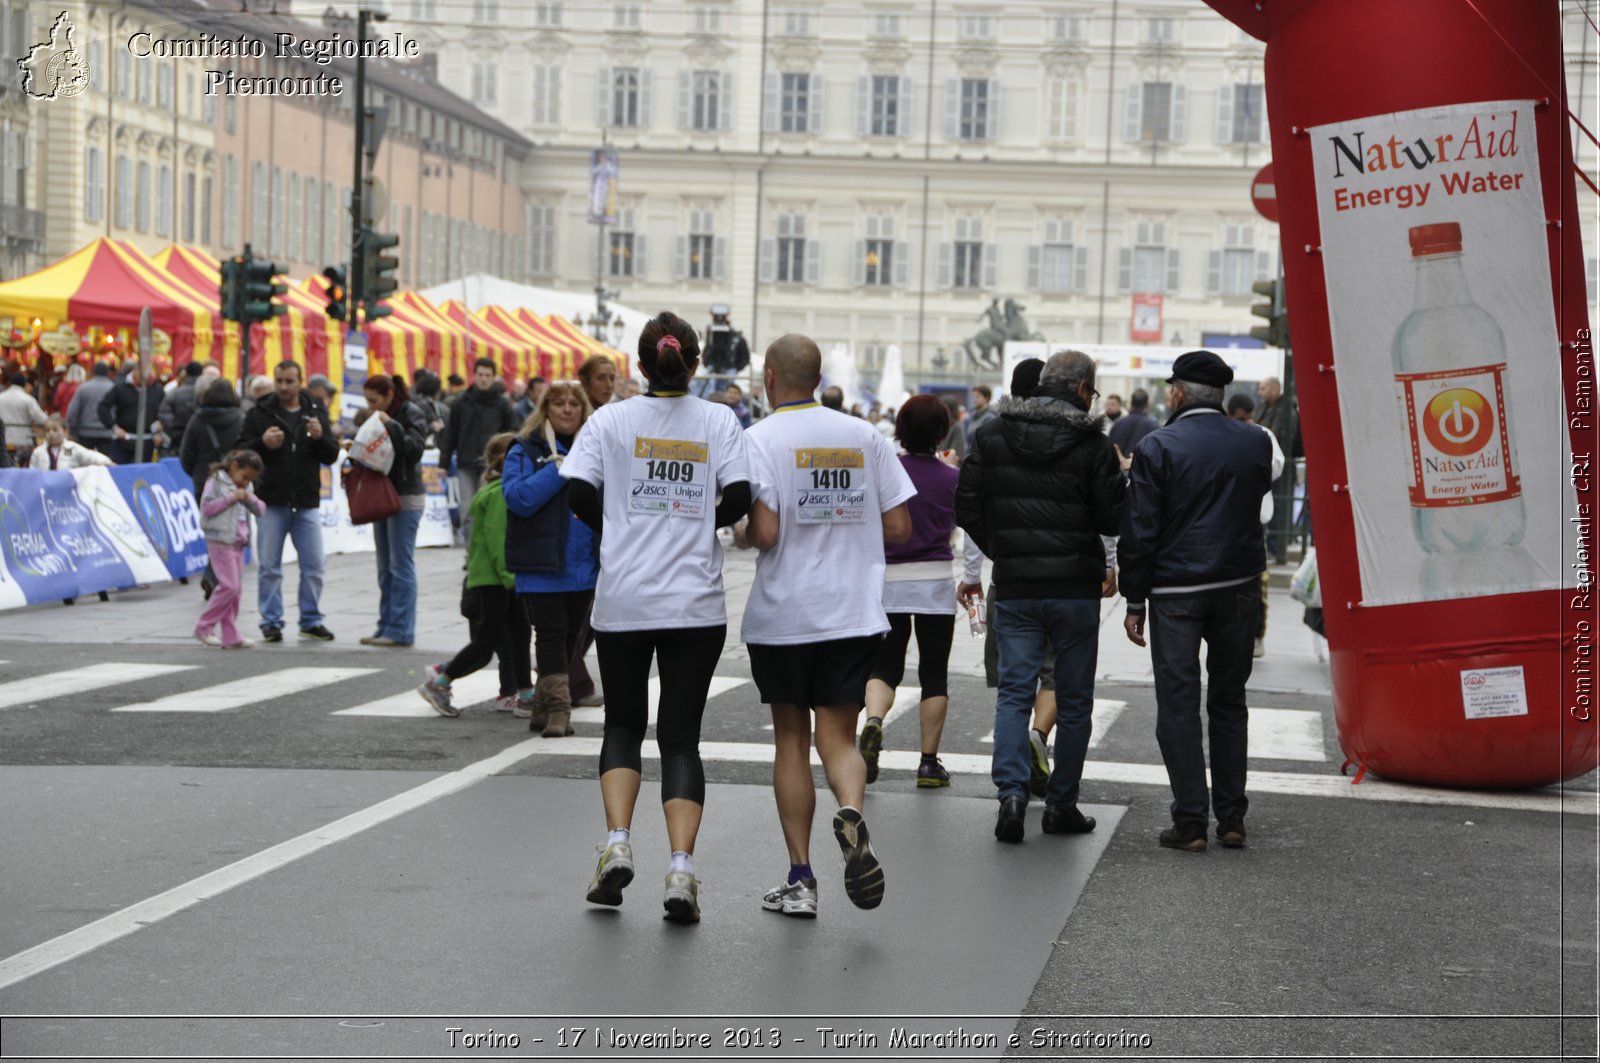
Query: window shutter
[945, 265]
[641, 244]
[1125, 269]
[1035, 254]
[902, 263]
[552, 88]
[813, 261]
[1263, 265]
[992, 127]
[904, 112]
[1080, 269]
[858, 273]
[769, 261]
[1213, 272]
[952, 108]
[1134, 114]
[719, 259]
[725, 104]
[1180, 114]
[771, 97]
[991, 264]
[863, 106]
[814, 118]
[680, 257]
[1172, 270]
[685, 98]
[646, 80]
[1225, 114]
[603, 97]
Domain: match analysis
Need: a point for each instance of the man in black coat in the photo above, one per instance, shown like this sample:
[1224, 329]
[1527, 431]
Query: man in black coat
[477, 417]
[290, 430]
[119, 411]
[1133, 426]
[178, 405]
[1040, 493]
[1192, 560]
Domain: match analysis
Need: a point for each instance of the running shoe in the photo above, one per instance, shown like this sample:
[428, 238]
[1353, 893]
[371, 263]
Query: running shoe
[272, 634]
[931, 775]
[316, 634]
[682, 900]
[612, 872]
[433, 671]
[1039, 769]
[506, 703]
[439, 698]
[871, 743]
[242, 644]
[863, 875]
[209, 640]
[798, 899]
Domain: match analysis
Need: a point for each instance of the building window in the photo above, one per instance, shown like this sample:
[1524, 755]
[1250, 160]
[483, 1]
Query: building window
[1241, 114]
[205, 212]
[975, 27]
[702, 264]
[879, 260]
[705, 100]
[795, 103]
[94, 184]
[1238, 265]
[97, 65]
[313, 221]
[275, 214]
[968, 253]
[230, 202]
[621, 246]
[124, 192]
[1066, 29]
[122, 62]
[547, 14]
[1058, 265]
[1161, 30]
[791, 249]
[887, 102]
[230, 113]
[625, 17]
[1149, 265]
[164, 201]
[887, 24]
[146, 71]
[188, 208]
[1062, 108]
[485, 81]
[486, 10]
[143, 219]
[258, 205]
[977, 108]
[796, 23]
[546, 95]
[541, 240]
[425, 10]
[164, 89]
[707, 19]
[625, 93]
[1157, 112]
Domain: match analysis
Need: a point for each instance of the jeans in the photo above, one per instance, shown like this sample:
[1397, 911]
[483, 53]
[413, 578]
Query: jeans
[468, 480]
[304, 526]
[1226, 621]
[1026, 628]
[396, 537]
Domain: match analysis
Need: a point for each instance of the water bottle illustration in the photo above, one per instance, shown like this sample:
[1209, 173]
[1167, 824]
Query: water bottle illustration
[1450, 376]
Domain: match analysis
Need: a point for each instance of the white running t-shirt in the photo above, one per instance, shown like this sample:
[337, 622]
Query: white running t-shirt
[830, 478]
[661, 463]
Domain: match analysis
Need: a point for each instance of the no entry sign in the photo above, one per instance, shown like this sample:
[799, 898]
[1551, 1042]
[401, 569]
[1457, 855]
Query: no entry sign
[1264, 193]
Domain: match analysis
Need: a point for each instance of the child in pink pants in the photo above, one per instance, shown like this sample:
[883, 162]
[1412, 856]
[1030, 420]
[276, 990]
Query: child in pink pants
[225, 507]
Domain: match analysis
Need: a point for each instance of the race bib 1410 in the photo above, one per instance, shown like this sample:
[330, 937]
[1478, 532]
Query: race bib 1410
[669, 477]
[830, 484]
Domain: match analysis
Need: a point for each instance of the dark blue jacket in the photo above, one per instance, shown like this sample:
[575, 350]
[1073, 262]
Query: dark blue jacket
[1191, 519]
[557, 552]
[1129, 430]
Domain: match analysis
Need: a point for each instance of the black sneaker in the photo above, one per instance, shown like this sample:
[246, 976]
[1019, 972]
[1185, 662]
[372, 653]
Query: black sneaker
[863, 875]
[272, 634]
[316, 634]
[1065, 819]
[1008, 825]
[1231, 834]
[871, 743]
[1185, 839]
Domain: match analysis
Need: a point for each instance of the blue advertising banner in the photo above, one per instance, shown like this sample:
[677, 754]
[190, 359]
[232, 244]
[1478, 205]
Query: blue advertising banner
[50, 543]
[166, 510]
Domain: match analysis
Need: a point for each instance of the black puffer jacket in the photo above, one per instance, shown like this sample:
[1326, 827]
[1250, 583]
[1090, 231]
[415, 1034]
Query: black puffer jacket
[293, 470]
[1039, 488]
[476, 418]
[409, 430]
[1193, 519]
[198, 452]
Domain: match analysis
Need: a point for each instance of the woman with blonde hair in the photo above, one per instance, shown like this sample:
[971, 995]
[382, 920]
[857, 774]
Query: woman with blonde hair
[552, 554]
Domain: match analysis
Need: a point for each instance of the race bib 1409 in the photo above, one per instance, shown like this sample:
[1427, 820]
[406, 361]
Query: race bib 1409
[669, 477]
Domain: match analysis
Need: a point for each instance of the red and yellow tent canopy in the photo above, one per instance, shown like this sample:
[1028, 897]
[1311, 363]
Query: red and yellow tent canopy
[524, 360]
[588, 344]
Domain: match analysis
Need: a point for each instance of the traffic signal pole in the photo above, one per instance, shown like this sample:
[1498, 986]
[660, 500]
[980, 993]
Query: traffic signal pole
[363, 17]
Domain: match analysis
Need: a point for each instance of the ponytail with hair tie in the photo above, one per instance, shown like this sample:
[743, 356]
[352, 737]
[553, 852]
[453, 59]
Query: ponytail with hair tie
[669, 343]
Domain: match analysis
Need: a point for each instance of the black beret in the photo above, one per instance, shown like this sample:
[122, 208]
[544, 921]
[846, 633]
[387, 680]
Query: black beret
[1201, 367]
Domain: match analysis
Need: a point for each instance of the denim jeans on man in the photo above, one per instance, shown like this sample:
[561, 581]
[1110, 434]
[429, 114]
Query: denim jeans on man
[1226, 621]
[1025, 628]
[304, 526]
[396, 537]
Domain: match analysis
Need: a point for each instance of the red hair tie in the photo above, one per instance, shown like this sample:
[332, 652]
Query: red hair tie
[668, 343]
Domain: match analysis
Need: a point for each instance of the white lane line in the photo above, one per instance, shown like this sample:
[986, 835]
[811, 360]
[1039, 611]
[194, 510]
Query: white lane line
[720, 684]
[241, 692]
[1104, 714]
[468, 690]
[1293, 784]
[1286, 734]
[120, 924]
[81, 680]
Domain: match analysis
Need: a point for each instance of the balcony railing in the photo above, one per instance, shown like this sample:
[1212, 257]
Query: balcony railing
[21, 225]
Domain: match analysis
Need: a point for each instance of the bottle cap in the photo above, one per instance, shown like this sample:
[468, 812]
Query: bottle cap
[1437, 239]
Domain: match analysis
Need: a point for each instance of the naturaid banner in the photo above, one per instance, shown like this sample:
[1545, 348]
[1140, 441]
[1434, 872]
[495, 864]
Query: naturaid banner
[1435, 252]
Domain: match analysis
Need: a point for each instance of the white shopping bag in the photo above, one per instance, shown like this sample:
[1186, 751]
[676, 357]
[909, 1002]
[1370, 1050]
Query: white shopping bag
[373, 447]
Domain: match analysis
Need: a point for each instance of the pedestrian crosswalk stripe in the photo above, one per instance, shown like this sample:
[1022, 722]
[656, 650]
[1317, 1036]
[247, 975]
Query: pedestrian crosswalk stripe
[464, 692]
[720, 684]
[1286, 734]
[1105, 714]
[248, 691]
[81, 680]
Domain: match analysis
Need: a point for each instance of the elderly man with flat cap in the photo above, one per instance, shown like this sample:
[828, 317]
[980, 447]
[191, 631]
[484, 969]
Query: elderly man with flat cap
[1192, 557]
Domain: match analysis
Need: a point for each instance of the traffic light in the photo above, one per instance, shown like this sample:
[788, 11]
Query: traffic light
[228, 291]
[336, 292]
[259, 289]
[1275, 333]
[378, 280]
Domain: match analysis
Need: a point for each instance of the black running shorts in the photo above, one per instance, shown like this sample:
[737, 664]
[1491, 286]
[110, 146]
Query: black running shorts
[815, 673]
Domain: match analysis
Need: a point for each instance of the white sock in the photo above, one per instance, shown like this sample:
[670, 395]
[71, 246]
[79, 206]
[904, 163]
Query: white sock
[682, 862]
[618, 837]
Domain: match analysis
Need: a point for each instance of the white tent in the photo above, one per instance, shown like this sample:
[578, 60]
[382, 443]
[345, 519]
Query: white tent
[478, 290]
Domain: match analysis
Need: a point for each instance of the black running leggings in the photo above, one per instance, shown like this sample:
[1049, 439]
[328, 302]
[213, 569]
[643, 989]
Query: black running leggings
[557, 622]
[686, 659]
[934, 635]
[495, 624]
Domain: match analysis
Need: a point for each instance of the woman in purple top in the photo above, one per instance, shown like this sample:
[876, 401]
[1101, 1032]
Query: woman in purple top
[919, 591]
